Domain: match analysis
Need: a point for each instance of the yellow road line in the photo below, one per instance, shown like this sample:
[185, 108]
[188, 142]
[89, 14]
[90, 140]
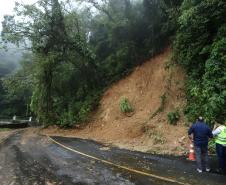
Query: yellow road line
[119, 166]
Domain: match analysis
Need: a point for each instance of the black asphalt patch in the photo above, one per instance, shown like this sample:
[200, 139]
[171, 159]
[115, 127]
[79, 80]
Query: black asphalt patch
[167, 166]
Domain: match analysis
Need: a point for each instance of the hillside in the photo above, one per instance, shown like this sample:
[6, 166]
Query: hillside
[146, 129]
[79, 50]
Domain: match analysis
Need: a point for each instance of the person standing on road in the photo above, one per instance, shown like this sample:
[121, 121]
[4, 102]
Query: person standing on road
[220, 140]
[200, 133]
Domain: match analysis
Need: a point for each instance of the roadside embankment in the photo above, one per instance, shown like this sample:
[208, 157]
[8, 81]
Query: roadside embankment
[154, 89]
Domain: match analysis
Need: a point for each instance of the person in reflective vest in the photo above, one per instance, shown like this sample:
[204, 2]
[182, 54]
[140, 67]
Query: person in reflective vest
[220, 140]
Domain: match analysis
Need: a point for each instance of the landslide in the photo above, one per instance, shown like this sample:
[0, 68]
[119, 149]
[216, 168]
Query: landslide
[154, 89]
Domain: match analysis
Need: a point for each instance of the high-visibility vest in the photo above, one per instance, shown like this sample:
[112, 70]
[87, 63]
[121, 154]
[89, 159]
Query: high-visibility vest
[221, 138]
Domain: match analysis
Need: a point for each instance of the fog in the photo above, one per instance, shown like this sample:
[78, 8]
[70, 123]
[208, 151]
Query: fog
[10, 59]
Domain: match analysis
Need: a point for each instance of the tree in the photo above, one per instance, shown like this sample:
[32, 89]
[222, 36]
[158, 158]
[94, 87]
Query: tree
[17, 88]
[77, 52]
[52, 46]
[199, 49]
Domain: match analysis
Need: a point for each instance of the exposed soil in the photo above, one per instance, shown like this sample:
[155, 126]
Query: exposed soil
[140, 130]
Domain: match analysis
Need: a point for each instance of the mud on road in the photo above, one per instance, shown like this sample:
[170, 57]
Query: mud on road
[32, 159]
[4, 133]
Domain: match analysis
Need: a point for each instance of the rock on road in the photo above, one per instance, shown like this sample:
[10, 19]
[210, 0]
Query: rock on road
[32, 159]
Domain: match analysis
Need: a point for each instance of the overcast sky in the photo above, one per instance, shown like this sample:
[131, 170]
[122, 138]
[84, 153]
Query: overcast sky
[6, 7]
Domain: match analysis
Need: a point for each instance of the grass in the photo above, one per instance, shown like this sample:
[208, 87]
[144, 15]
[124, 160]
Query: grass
[157, 137]
[4, 129]
[125, 106]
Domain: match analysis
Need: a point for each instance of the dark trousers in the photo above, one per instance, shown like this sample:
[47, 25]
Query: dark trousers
[221, 154]
[202, 158]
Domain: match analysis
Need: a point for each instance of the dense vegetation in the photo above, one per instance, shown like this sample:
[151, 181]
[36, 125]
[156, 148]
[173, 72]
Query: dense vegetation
[200, 48]
[8, 64]
[79, 49]
[16, 91]
[77, 53]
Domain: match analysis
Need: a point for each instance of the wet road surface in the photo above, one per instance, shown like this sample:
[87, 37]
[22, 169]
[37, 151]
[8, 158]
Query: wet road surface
[36, 160]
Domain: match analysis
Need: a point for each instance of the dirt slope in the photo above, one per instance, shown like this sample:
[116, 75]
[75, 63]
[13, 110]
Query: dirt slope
[141, 130]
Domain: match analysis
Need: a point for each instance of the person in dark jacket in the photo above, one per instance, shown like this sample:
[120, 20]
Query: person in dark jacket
[200, 133]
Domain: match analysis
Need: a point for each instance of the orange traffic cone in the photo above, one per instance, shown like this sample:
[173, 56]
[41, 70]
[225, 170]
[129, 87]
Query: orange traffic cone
[191, 155]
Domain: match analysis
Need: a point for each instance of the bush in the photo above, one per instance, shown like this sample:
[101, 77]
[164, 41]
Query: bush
[173, 117]
[200, 48]
[125, 106]
[211, 146]
[66, 120]
[77, 112]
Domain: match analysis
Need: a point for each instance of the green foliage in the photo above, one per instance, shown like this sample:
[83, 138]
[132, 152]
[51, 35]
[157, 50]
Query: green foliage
[63, 63]
[66, 120]
[78, 53]
[158, 138]
[8, 65]
[4, 129]
[173, 117]
[199, 48]
[212, 146]
[16, 90]
[125, 106]
[134, 32]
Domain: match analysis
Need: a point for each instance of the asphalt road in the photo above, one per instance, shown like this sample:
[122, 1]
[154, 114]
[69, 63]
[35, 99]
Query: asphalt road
[38, 160]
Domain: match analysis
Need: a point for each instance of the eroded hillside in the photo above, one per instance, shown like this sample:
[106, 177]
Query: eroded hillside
[154, 89]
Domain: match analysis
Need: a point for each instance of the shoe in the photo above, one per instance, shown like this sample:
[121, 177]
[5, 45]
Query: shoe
[199, 170]
[207, 169]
